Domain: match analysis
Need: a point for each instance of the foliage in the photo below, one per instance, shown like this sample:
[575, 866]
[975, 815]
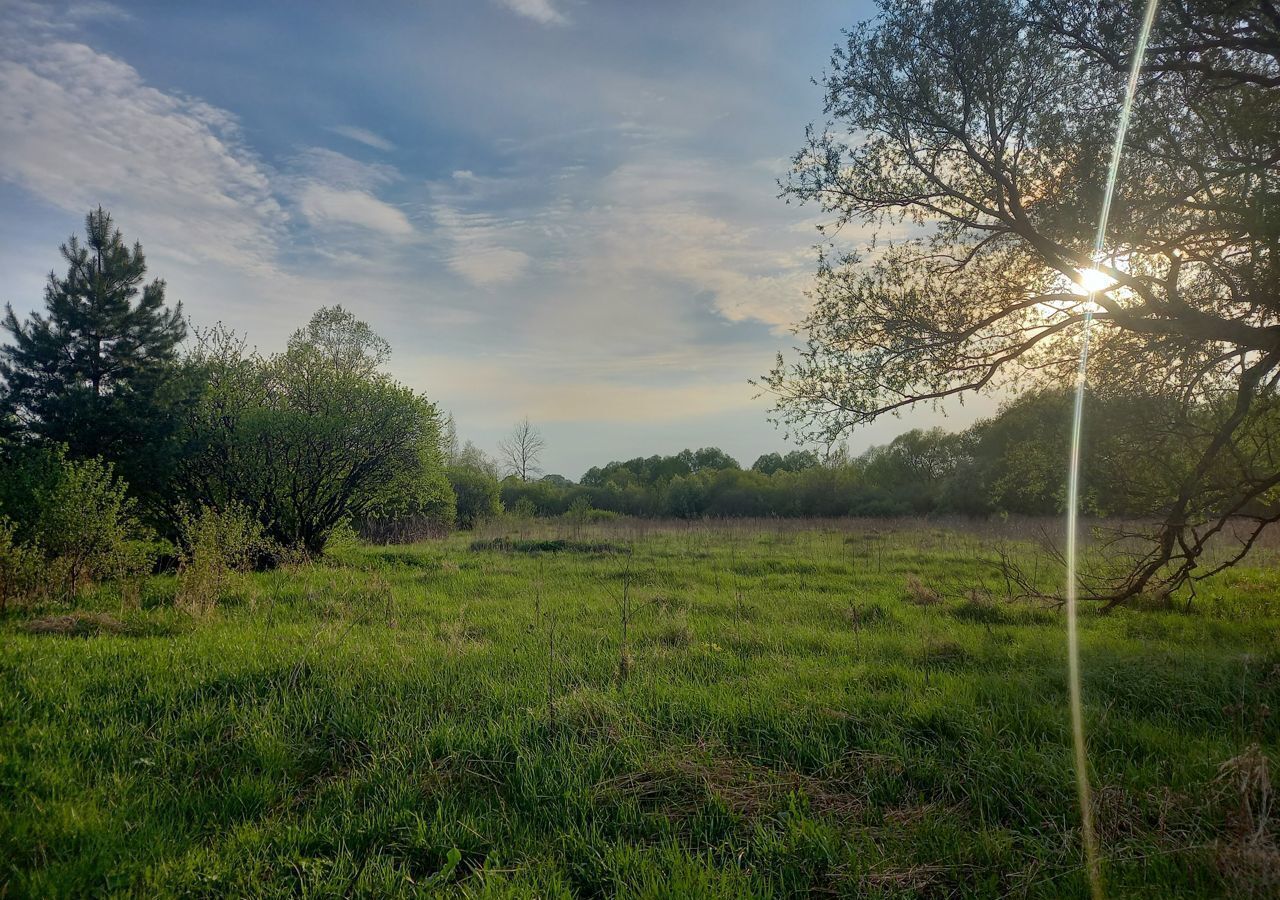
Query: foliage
[20, 568]
[477, 492]
[794, 461]
[1012, 462]
[215, 544]
[342, 342]
[310, 437]
[68, 524]
[94, 372]
[86, 528]
[976, 135]
[659, 468]
[423, 504]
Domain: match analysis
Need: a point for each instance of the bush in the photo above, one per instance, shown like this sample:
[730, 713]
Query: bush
[478, 495]
[311, 437]
[20, 567]
[423, 507]
[215, 544]
[85, 529]
[67, 524]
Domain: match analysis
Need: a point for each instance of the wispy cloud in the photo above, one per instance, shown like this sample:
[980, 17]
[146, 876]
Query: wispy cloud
[324, 205]
[81, 128]
[363, 136]
[320, 164]
[540, 11]
[87, 10]
[479, 244]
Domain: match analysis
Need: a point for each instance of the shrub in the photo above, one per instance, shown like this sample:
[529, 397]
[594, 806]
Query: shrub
[19, 567]
[477, 493]
[85, 529]
[66, 524]
[523, 509]
[311, 437]
[215, 544]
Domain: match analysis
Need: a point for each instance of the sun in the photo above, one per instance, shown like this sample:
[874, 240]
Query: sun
[1094, 281]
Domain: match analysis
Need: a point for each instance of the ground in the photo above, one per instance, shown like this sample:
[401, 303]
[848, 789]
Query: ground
[839, 708]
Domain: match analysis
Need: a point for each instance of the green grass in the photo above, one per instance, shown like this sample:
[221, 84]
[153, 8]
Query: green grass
[789, 723]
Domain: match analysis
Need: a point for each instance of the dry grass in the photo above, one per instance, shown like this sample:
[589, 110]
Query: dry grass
[921, 594]
[680, 784]
[79, 624]
[1248, 856]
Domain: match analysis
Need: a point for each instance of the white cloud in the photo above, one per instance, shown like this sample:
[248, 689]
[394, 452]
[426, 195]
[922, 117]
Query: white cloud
[540, 11]
[489, 266]
[331, 189]
[337, 170]
[477, 251]
[81, 128]
[363, 136]
[324, 205]
[687, 221]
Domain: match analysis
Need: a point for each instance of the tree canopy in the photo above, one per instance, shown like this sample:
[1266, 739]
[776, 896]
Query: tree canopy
[967, 141]
[93, 371]
[309, 438]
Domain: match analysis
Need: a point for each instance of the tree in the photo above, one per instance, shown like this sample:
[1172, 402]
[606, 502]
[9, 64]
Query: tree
[708, 458]
[471, 456]
[971, 139]
[794, 461]
[93, 372]
[522, 449]
[343, 343]
[307, 439]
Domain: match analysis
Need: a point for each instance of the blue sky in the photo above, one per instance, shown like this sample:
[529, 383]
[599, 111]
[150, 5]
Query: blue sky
[564, 209]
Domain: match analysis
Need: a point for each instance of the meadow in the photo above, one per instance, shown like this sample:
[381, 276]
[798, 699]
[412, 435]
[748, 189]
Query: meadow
[639, 709]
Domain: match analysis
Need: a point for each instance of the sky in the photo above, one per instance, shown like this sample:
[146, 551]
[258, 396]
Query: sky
[560, 209]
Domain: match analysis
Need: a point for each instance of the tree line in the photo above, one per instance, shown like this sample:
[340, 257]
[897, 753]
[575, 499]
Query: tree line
[1010, 463]
[128, 438]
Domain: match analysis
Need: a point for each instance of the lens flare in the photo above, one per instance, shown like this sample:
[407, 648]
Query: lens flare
[1083, 791]
[1094, 280]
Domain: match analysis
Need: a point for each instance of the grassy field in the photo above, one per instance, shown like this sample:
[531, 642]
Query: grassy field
[643, 711]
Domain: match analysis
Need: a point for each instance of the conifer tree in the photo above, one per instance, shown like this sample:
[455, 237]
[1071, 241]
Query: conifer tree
[90, 372]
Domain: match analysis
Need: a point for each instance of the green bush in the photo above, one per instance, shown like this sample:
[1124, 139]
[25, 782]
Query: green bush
[311, 437]
[215, 544]
[86, 530]
[68, 524]
[20, 566]
[477, 493]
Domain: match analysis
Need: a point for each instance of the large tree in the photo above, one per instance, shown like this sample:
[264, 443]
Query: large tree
[89, 372]
[968, 143]
[312, 437]
[95, 373]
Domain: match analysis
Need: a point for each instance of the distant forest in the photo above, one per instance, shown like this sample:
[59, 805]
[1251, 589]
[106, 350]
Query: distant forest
[1012, 463]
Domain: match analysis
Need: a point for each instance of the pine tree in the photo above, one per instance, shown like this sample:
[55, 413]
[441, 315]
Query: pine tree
[90, 372]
